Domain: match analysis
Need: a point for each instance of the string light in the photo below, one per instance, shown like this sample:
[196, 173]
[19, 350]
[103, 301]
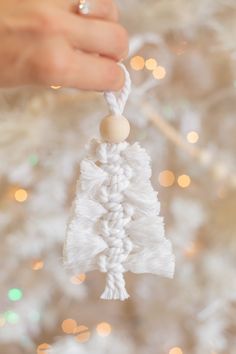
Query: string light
[43, 348]
[55, 87]
[12, 317]
[192, 137]
[176, 350]
[15, 294]
[68, 326]
[137, 63]
[37, 265]
[151, 64]
[159, 73]
[166, 178]
[21, 195]
[184, 181]
[78, 279]
[83, 334]
[103, 329]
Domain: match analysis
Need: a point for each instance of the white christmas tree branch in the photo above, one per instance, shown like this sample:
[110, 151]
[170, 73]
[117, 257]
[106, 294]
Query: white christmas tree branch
[218, 170]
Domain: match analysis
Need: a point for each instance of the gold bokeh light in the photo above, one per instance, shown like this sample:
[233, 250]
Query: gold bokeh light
[44, 348]
[176, 350]
[69, 326]
[151, 64]
[192, 250]
[78, 279]
[184, 181]
[37, 264]
[159, 73]
[137, 63]
[103, 329]
[21, 195]
[192, 137]
[55, 87]
[166, 178]
[82, 334]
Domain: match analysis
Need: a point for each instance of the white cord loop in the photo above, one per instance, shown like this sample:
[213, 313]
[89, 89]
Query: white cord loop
[117, 104]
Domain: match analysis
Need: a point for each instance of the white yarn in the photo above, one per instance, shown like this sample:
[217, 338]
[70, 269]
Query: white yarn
[117, 104]
[115, 225]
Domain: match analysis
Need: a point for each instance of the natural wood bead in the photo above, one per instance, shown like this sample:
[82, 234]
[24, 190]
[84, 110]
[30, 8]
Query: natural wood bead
[114, 129]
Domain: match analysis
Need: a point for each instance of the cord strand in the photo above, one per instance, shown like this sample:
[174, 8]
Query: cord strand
[117, 104]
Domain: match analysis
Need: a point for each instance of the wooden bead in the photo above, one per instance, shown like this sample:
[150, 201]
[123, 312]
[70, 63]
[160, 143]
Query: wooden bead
[114, 129]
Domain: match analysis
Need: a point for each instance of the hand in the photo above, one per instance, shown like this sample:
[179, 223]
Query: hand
[47, 43]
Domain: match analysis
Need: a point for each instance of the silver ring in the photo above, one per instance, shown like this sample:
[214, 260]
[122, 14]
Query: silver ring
[84, 7]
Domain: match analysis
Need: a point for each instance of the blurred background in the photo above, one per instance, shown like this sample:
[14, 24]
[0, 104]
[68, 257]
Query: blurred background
[182, 110]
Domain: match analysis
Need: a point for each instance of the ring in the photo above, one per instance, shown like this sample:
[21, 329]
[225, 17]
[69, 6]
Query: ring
[83, 7]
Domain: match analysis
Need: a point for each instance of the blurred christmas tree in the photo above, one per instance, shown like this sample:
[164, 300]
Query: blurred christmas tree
[182, 109]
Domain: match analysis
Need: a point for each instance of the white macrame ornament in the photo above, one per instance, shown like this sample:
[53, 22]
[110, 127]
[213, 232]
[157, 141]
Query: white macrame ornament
[115, 225]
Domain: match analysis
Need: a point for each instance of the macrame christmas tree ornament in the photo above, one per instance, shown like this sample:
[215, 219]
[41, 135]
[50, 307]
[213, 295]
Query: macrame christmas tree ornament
[115, 225]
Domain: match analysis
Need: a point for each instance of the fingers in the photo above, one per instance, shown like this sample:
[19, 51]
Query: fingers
[89, 72]
[102, 37]
[96, 36]
[55, 63]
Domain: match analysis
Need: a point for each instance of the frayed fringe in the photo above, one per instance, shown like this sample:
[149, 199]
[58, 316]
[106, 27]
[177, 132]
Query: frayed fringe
[114, 294]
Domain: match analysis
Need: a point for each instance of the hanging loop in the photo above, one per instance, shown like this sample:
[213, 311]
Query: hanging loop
[115, 103]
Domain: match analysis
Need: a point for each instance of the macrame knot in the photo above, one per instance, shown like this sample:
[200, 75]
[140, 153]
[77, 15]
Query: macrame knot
[113, 223]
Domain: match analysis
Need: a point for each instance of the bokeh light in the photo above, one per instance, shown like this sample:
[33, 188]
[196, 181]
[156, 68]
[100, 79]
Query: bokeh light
[137, 63]
[21, 195]
[166, 178]
[68, 326]
[82, 334]
[2, 321]
[12, 317]
[55, 87]
[192, 137]
[159, 73]
[15, 294]
[103, 329]
[151, 64]
[192, 250]
[184, 181]
[37, 264]
[78, 279]
[176, 350]
[44, 348]
[33, 160]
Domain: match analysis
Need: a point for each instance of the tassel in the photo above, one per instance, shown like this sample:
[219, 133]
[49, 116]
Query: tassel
[115, 225]
[92, 177]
